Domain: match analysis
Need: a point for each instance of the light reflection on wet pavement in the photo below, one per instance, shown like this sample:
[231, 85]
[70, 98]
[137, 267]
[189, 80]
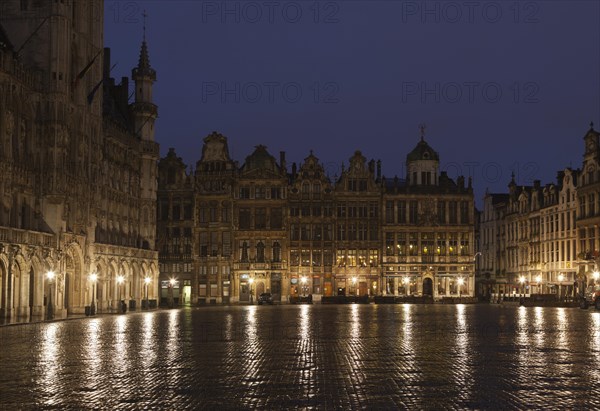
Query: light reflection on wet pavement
[325, 357]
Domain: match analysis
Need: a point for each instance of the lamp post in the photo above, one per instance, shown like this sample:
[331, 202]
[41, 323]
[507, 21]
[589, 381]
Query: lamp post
[251, 281]
[538, 280]
[522, 281]
[120, 280]
[303, 282]
[354, 284]
[171, 285]
[146, 284]
[93, 279]
[49, 310]
[461, 281]
[561, 278]
[405, 281]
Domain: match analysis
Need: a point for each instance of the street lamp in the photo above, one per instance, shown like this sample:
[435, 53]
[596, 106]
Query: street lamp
[49, 311]
[538, 279]
[405, 280]
[354, 284]
[461, 281]
[147, 283]
[251, 281]
[596, 275]
[171, 285]
[522, 281]
[561, 278]
[93, 279]
[120, 280]
[303, 281]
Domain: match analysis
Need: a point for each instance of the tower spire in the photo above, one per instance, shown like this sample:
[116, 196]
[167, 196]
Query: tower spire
[422, 127]
[145, 15]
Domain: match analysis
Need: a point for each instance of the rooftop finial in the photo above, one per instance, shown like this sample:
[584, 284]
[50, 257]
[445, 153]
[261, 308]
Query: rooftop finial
[422, 127]
[145, 15]
[591, 125]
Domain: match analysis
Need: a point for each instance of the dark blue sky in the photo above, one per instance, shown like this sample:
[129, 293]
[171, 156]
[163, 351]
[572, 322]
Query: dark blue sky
[502, 86]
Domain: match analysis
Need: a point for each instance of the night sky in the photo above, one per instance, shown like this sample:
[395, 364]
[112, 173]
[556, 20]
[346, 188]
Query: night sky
[502, 86]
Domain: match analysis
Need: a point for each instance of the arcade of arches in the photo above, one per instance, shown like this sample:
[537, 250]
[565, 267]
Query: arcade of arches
[26, 289]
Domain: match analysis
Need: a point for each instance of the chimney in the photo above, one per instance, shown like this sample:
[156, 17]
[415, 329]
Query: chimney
[282, 161]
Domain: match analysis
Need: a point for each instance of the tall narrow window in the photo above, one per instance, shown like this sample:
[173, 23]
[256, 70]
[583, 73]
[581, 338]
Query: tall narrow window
[276, 252]
[244, 252]
[260, 252]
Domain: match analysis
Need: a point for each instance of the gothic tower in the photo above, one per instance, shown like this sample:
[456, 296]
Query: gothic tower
[144, 113]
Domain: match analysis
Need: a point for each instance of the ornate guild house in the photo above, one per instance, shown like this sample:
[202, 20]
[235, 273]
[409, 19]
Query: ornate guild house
[79, 166]
[228, 233]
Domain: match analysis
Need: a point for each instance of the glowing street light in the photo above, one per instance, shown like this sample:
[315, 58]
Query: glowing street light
[171, 285]
[354, 280]
[93, 279]
[303, 281]
[596, 275]
[120, 280]
[251, 281]
[538, 280]
[461, 281]
[561, 278]
[146, 284]
[49, 311]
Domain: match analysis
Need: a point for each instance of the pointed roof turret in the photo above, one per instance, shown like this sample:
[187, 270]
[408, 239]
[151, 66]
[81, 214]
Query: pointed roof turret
[143, 68]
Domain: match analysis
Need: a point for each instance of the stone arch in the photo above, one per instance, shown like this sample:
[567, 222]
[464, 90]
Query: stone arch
[102, 269]
[20, 285]
[427, 286]
[125, 271]
[136, 281]
[74, 280]
[38, 269]
[111, 280]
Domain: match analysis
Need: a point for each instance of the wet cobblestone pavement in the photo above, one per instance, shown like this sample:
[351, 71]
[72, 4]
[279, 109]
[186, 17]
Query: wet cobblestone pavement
[322, 357]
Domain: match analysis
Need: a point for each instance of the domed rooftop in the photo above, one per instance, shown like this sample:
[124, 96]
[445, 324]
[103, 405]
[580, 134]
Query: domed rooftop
[423, 151]
[261, 159]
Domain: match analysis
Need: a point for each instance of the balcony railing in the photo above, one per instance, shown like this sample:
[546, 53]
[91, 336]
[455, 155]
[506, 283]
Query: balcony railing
[19, 236]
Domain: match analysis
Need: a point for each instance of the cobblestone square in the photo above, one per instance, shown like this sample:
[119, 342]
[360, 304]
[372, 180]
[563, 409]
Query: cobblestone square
[316, 357]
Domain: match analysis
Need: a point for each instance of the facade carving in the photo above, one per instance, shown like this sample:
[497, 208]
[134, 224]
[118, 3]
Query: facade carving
[78, 179]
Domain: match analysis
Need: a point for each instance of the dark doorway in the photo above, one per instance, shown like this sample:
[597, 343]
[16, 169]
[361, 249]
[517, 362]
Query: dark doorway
[428, 287]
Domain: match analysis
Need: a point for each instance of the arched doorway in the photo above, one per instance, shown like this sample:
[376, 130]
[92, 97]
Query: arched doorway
[428, 287]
